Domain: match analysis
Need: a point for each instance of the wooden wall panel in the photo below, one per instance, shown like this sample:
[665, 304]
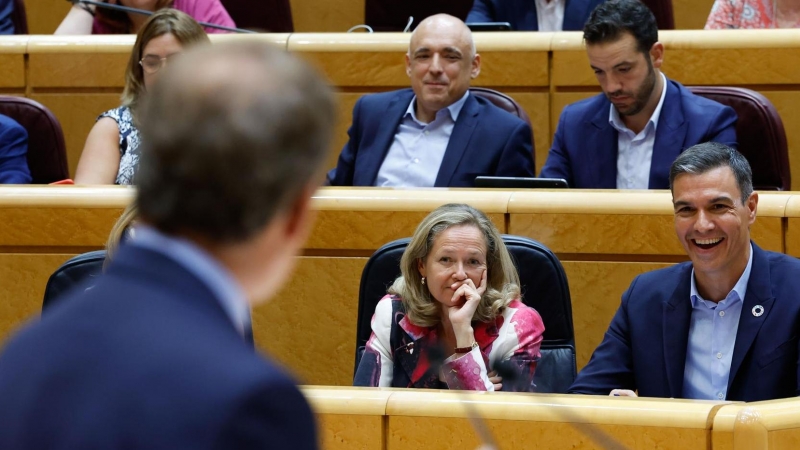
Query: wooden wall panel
[596, 288]
[12, 68]
[310, 325]
[314, 16]
[92, 70]
[788, 105]
[691, 14]
[457, 434]
[44, 16]
[350, 432]
[77, 113]
[23, 278]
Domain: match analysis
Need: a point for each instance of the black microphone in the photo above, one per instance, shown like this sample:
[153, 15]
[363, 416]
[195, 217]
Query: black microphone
[145, 12]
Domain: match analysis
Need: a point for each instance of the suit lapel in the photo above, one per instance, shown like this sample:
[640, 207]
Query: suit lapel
[670, 136]
[759, 292]
[459, 139]
[675, 326]
[602, 163]
[384, 135]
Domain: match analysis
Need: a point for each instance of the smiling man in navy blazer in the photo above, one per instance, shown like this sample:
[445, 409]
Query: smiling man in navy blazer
[627, 137]
[721, 327]
[154, 355]
[437, 133]
[534, 15]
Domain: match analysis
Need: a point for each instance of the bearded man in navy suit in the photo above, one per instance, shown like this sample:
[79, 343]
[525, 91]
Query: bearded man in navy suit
[437, 133]
[628, 136]
[153, 355]
[723, 326]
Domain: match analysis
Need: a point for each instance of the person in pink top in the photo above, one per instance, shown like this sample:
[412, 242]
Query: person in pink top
[89, 19]
[739, 14]
[454, 314]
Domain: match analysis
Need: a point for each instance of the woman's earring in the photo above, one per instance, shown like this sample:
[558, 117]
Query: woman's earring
[423, 281]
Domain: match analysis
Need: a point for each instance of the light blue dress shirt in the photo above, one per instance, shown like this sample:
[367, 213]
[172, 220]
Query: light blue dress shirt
[418, 148]
[202, 265]
[712, 335]
[635, 151]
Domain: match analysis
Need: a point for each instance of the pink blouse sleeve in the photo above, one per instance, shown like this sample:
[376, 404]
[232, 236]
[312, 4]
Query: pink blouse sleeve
[209, 11]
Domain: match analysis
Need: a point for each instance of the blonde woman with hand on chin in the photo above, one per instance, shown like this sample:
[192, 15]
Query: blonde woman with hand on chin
[454, 315]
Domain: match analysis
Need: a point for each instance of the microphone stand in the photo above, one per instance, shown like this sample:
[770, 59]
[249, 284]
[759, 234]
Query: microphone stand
[150, 13]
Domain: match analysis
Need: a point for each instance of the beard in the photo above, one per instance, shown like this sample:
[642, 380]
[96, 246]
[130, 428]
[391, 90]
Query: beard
[640, 96]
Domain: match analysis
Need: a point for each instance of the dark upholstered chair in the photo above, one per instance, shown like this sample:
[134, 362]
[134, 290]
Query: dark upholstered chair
[502, 101]
[47, 154]
[19, 18]
[759, 133]
[74, 272]
[544, 287]
[274, 16]
[392, 15]
[662, 9]
[505, 103]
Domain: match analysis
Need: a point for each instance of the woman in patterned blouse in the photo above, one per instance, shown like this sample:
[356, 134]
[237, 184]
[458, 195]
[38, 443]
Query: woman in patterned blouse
[738, 14]
[454, 315]
[111, 152]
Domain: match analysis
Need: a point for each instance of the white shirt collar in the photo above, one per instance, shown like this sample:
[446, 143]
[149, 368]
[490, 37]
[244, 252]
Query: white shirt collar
[454, 109]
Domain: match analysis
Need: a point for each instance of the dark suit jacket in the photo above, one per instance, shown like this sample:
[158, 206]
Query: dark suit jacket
[485, 141]
[521, 14]
[13, 152]
[145, 359]
[644, 348]
[6, 11]
[584, 150]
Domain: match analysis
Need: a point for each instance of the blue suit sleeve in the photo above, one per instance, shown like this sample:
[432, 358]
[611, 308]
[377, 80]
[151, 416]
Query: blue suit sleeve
[722, 127]
[482, 11]
[6, 24]
[275, 417]
[13, 154]
[558, 164]
[516, 159]
[342, 175]
[611, 365]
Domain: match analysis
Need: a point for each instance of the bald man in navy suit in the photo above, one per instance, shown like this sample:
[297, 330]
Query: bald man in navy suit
[436, 134]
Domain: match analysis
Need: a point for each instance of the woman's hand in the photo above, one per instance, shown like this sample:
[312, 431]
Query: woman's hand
[465, 301]
[496, 380]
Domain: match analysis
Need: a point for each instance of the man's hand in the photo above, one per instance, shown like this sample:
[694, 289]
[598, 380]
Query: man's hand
[622, 393]
[496, 380]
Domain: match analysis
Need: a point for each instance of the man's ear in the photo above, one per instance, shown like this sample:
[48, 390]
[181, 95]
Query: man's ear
[657, 55]
[476, 66]
[752, 207]
[299, 215]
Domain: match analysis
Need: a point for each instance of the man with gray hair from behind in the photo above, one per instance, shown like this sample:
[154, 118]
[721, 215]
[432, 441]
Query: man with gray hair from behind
[722, 326]
[154, 355]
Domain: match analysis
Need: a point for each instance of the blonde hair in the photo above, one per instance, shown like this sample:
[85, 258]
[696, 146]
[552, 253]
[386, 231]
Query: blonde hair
[502, 280]
[164, 21]
[122, 225]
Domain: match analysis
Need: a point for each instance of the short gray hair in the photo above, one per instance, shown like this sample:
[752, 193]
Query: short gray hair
[701, 158]
[232, 135]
